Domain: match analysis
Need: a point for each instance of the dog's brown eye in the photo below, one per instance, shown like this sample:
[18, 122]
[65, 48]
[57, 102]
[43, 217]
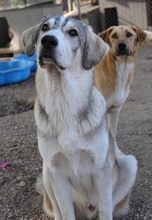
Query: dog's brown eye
[73, 33]
[45, 27]
[114, 36]
[128, 34]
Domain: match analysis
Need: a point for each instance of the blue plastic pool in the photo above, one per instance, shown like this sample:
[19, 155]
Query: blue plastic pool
[14, 71]
[23, 56]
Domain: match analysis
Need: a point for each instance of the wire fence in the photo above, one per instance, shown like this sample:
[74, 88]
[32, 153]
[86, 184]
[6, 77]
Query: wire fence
[18, 4]
[135, 12]
[102, 14]
[8, 4]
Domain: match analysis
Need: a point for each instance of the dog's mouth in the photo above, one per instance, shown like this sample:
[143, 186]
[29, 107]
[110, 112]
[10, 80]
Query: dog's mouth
[123, 53]
[47, 59]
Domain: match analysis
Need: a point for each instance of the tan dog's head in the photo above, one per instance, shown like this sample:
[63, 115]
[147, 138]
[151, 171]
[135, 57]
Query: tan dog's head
[123, 40]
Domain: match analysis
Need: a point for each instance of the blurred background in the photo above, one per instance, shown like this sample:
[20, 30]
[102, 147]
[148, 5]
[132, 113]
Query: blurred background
[18, 15]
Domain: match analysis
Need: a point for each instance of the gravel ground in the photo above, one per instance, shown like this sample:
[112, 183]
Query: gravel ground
[18, 145]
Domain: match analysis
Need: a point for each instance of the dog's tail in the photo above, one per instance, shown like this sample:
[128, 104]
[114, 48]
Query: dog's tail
[148, 39]
[39, 185]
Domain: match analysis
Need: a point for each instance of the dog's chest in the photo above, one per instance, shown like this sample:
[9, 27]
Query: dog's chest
[121, 91]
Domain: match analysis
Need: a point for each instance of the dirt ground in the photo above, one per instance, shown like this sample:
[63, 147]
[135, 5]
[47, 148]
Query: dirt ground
[18, 145]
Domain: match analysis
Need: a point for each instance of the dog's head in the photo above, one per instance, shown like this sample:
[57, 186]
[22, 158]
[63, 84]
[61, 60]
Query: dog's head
[63, 41]
[123, 40]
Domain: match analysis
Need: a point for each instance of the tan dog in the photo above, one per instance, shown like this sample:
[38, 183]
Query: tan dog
[114, 74]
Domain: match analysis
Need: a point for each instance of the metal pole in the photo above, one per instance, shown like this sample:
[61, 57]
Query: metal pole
[79, 11]
[69, 5]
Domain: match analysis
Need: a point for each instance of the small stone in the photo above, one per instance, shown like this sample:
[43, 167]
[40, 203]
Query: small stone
[22, 183]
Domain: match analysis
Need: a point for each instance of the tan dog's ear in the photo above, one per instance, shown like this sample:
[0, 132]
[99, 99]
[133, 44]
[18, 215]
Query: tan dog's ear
[141, 35]
[105, 34]
[29, 38]
[94, 51]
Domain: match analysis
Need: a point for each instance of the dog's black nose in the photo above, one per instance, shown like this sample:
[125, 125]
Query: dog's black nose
[122, 46]
[49, 42]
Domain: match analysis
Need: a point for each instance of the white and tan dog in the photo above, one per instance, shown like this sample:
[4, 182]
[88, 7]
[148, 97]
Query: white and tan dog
[82, 177]
[114, 74]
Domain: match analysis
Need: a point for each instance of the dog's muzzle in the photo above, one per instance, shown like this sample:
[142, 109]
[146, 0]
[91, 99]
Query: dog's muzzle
[49, 44]
[122, 49]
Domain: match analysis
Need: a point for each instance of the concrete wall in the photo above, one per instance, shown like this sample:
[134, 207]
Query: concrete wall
[129, 12]
[21, 19]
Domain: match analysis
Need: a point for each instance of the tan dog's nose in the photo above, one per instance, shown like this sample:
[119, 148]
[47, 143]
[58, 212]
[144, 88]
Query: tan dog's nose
[122, 45]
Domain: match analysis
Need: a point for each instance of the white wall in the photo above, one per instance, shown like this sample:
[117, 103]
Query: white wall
[129, 12]
[20, 20]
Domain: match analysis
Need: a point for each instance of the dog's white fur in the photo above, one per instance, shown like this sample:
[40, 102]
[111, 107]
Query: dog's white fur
[80, 168]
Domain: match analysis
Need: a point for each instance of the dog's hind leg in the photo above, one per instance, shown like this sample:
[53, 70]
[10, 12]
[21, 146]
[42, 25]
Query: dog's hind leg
[126, 178]
[123, 206]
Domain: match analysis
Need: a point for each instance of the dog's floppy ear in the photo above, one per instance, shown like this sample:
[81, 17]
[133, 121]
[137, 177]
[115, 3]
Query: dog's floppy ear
[141, 35]
[94, 51]
[29, 38]
[105, 34]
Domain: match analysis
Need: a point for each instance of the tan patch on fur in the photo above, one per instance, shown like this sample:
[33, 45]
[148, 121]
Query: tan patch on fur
[47, 205]
[106, 76]
[121, 203]
[111, 108]
[129, 80]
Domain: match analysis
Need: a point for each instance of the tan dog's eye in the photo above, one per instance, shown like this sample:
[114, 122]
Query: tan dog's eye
[128, 34]
[114, 36]
[45, 27]
[73, 33]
